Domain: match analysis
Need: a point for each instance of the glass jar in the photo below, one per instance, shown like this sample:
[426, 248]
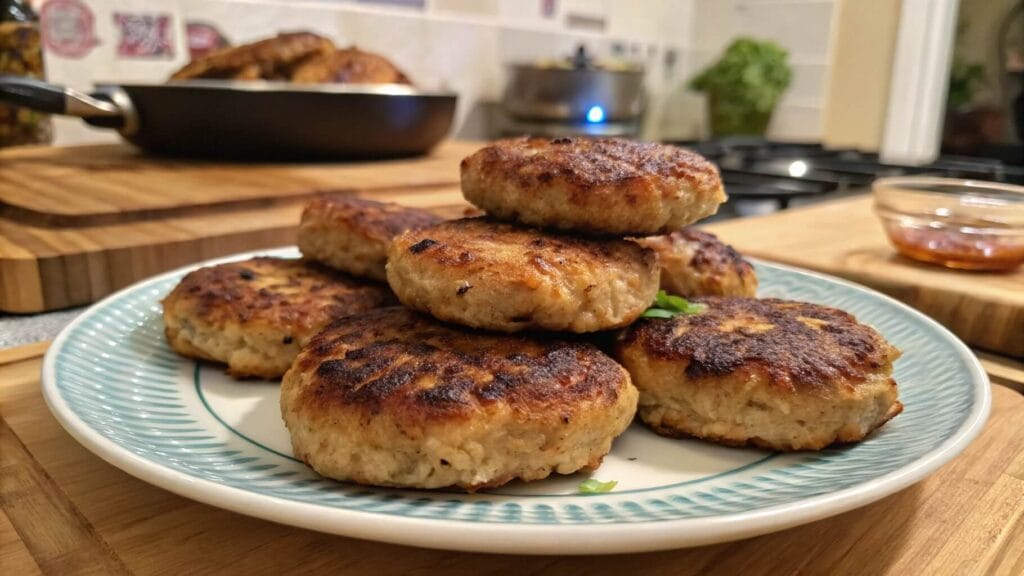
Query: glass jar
[21, 54]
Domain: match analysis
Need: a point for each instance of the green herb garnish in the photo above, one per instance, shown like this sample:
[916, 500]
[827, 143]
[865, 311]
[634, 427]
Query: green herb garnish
[658, 313]
[595, 486]
[669, 306]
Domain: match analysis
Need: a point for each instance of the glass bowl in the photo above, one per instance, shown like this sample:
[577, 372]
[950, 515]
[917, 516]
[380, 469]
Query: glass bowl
[962, 224]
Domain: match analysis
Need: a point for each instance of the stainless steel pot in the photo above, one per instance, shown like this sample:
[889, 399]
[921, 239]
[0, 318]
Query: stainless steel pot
[575, 90]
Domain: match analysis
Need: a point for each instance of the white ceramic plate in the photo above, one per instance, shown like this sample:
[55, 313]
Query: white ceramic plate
[114, 384]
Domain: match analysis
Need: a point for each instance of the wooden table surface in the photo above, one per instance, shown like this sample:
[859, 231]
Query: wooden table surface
[63, 511]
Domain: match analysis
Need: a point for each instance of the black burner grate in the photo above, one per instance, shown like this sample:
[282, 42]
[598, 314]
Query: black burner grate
[776, 175]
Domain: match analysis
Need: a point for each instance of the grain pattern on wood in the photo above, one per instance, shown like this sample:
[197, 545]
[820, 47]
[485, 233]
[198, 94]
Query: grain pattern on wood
[96, 185]
[966, 518]
[59, 538]
[79, 223]
[11, 355]
[52, 268]
[14, 557]
[1004, 371]
[844, 238]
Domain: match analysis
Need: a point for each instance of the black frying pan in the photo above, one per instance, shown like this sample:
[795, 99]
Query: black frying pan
[251, 119]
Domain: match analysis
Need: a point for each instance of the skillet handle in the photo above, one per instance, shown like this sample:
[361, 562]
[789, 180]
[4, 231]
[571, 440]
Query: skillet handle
[43, 97]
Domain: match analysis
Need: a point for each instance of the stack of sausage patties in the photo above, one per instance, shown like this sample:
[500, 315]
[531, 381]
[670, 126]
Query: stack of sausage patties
[552, 252]
[487, 374]
[482, 377]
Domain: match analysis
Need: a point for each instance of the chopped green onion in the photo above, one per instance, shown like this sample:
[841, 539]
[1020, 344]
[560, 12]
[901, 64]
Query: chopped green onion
[658, 313]
[693, 308]
[595, 486]
[669, 306]
[670, 301]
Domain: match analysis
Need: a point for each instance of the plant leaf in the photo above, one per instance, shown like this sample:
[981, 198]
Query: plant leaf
[750, 75]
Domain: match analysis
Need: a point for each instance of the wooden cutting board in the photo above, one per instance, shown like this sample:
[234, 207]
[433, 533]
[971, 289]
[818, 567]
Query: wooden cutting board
[95, 185]
[845, 238]
[79, 223]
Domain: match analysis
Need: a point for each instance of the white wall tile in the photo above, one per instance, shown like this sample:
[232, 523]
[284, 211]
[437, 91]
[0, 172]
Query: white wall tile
[599, 10]
[796, 123]
[528, 14]
[404, 39]
[674, 112]
[473, 8]
[677, 22]
[522, 45]
[804, 28]
[807, 87]
[461, 58]
[714, 25]
[249, 20]
[628, 20]
[519, 45]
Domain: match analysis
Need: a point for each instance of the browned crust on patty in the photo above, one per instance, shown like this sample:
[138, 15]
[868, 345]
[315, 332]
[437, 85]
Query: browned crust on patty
[697, 263]
[278, 291]
[710, 253]
[587, 164]
[353, 235]
[469, 243]
[487, 274]
[254, 315]
[417, 369]
[794, 346]
[895, 409]
[349, 66]
[375, 221]
[578, 180]
[268, 59]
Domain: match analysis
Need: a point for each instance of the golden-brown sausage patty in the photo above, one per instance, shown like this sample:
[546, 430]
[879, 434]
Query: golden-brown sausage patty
[696, 263]
[254, 315]
[349, 66]
[486, 274]
[269, 59]
[601, 186]
[394, 398]
[353, 235]
[772, 373]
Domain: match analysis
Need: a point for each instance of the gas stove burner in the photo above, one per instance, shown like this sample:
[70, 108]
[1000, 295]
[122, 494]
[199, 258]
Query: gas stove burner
[762, 175]
[844, 166]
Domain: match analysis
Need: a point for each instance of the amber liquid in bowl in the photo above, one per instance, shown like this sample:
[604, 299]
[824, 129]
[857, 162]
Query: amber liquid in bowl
[960, 224]
[954, 248]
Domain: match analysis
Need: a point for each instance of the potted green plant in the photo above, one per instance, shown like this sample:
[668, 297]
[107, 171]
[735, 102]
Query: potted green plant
[965, 81]
[744, 86]
[972, 121]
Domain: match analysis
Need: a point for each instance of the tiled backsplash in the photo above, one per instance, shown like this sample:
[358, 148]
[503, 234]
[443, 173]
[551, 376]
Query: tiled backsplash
[463, 45]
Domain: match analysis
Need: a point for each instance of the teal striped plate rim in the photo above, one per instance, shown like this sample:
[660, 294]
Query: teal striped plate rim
[117, 388]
